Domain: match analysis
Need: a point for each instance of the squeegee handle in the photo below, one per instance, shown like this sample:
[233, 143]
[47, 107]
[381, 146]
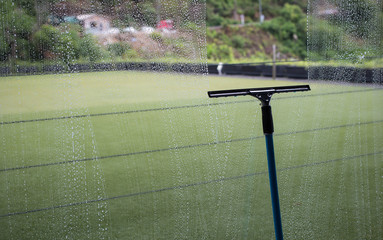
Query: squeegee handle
[274, 187]
[268, 129]
[267, 120]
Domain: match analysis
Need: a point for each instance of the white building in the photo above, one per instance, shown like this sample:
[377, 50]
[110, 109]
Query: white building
[95, 24]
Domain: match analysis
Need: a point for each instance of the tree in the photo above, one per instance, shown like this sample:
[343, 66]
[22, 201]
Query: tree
[16, 27]
[290, 28]
[51, 42]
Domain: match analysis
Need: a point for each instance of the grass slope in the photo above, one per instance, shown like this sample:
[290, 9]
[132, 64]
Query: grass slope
[166, 162]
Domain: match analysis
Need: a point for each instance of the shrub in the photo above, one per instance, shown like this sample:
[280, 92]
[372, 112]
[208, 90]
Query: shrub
[90, 49]
[118, 49]
[211, 50]
[238, 42]
[358, 18]
[45, 40]
[67, 49]
[225, 53]
[324, 37]
[211, 34]
[131, 54]
[193, 28]
[4, 48]
[156, 36]
[215, 20]
[23, 48]
[290, 23]
[15, 31]
[219, 53]
[52, 42]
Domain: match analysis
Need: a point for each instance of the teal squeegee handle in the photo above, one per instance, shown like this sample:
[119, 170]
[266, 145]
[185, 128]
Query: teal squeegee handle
[274, 187]
[268, 130]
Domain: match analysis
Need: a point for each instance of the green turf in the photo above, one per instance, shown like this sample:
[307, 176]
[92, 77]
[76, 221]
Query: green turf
[173, 164]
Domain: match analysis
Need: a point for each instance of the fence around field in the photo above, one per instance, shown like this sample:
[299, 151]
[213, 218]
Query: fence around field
[94, 67]
[328, 73]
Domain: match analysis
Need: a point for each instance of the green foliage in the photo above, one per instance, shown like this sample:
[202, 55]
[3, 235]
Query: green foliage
[217, 20]
[222, 12]
[292, 13]
[23, 49]
[16, 20]
[15, 29]
[357, 16]
[148, 14]
[65, 44]
[156, 36]
[131, 54]
[291, 21]
[238, 42]
[220, 52]
[331, 41]
[90, 49]
[289, 28]
[22, 24]
[286, 21]
[211, 34]
[118, 49]
[380, 34]
[211, 50]
[193, 28]
[46, 37]
[224, 38]
[324, 39]
[50, 41]
[4, 48]
[27, 5]
[67, 48]
[42, 41]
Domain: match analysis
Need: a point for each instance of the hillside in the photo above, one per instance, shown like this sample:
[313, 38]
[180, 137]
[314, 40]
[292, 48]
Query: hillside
[71, 31]
[240, 43]
[343, 29]
[222, 12]
[252, 41]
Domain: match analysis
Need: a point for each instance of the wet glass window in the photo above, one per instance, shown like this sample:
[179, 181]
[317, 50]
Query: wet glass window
[107, 130]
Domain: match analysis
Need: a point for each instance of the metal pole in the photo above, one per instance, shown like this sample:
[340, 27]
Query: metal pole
[274, 60]
[260, 12]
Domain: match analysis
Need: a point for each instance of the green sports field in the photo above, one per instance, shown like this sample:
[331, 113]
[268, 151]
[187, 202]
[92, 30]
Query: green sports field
[135, 155]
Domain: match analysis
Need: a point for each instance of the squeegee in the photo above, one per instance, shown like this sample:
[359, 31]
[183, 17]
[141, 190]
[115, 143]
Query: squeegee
[264, 95]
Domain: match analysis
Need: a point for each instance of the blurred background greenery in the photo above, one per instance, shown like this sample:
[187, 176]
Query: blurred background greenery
[33, 32]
